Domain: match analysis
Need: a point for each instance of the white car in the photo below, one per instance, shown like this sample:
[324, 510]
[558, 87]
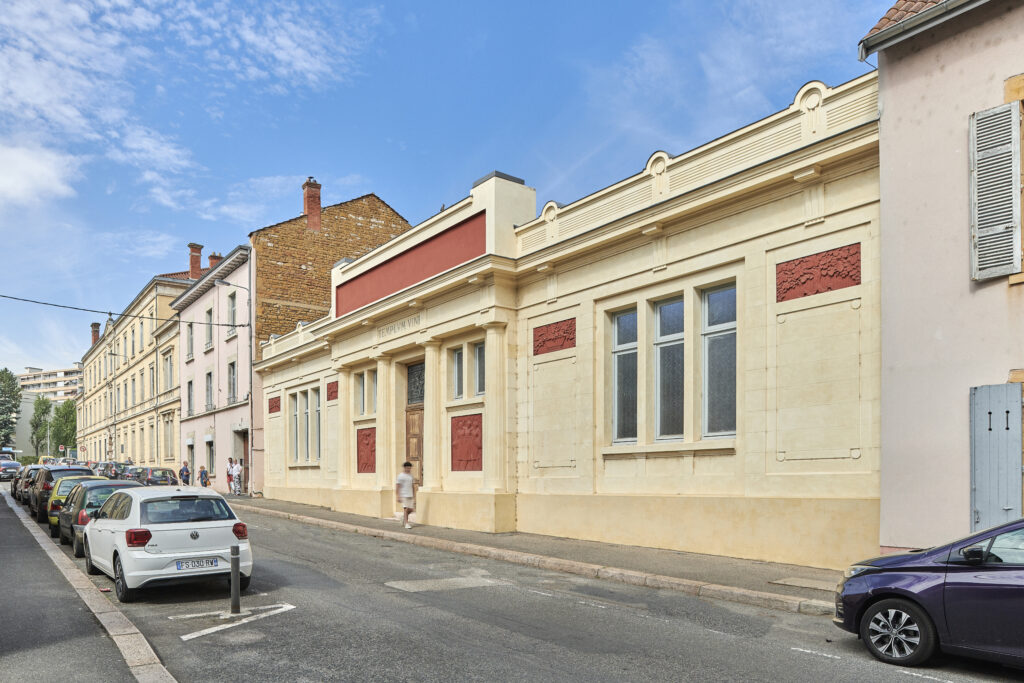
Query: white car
[159, 535]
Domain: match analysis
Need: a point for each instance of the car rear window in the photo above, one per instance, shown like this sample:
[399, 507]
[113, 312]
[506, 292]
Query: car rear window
[162, 475]
[185, 509]
[60, 474]
[65, 486]
[98, 496]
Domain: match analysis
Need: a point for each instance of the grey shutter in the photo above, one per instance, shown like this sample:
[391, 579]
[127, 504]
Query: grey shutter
[995, 192]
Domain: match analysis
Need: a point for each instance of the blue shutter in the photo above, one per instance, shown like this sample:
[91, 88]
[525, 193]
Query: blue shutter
[995, 192]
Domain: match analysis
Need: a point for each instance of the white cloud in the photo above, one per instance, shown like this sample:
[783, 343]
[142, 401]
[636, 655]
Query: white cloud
[30, 175]
[147, 149]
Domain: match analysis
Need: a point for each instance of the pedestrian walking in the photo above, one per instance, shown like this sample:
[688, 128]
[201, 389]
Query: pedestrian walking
[184, 474]
[231, 471]
[203, 476]
[405, 493]
[236, 477]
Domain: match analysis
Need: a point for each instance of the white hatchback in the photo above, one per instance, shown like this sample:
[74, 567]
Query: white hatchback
[159, 535]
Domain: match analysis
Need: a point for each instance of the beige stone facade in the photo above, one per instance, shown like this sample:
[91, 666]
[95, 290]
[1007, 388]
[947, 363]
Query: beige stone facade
[687, 359]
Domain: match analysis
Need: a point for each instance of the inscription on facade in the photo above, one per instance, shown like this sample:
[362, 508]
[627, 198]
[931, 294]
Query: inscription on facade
[825, 271]
[467, 443]
[274, 405]
[399, 326]
[554, 337]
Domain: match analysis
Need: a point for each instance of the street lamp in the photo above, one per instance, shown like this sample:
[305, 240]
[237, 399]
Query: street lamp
[252, 433]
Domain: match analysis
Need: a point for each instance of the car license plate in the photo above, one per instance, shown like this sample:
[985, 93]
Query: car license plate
[197, 564]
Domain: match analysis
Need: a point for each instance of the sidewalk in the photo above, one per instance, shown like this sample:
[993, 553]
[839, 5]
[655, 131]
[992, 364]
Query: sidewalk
[786, 587]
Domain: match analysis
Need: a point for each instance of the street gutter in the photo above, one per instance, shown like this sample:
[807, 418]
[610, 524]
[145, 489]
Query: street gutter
[776, 601]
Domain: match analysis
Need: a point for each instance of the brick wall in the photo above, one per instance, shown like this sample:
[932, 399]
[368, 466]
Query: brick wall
[293, 263]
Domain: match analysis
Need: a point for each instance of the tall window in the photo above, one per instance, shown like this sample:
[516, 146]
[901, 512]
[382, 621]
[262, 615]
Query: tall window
[168, 371]
[668, 350]
[231, 310]
[209, 391]
[624, 376]
[304, 400]
[719, 358]
[209, 458]
[209, 328]
[190, 398]
[133, 390]
[359, 391]
[305, 424]
[133, 343]
[142, 385]
[314, 397]
[479, 369]
[189, 340]
[294, 400]
[457, 373]
[232, 383]
[373, 391]
[152, 380]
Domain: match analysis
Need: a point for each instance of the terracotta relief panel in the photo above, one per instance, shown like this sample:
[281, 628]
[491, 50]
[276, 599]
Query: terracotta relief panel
[332, 391]
[467, 443]
[366, 450]
[554, 337]
[274, 405]
[822, 272]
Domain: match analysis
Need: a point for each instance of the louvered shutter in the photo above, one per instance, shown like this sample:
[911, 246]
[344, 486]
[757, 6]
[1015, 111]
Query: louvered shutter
[995, 192]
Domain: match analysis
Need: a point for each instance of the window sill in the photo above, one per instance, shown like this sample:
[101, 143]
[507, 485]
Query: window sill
[208, 347]
[671, 449]
[460, 403]
[304, 466]
[364, 419]
[188, 358]
[1017, 279]
[232, 333]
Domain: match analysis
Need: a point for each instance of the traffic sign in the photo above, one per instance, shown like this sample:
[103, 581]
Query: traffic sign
[61, 449]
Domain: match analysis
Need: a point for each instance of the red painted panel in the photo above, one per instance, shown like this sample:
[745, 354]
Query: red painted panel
[468, 443]
[274, 405]
[332, 391]
[458, 244]
[554, 337]
[822, 272]
[366, 450]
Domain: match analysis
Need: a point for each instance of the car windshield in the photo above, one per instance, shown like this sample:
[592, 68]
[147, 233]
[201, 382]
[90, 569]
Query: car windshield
[98, 496]
[161, 474]
[185, 509]
[9, 464]
[65, 486]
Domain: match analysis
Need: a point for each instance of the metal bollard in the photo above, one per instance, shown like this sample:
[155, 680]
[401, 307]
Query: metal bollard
[236, 598]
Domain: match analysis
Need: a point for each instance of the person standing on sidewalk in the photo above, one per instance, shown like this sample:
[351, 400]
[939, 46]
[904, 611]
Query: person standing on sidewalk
[405, 493]
[236, 477]
[203, 476]
[184, 474]
[231, 471]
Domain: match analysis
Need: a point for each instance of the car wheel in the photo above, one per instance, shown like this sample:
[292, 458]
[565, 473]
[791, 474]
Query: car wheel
[76, 547]
[89, 566]
[898, 632]
[121, 589]
[54, 531]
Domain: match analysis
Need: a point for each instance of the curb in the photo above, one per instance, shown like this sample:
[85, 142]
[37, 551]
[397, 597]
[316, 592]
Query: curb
[142, 661]
[703, 589]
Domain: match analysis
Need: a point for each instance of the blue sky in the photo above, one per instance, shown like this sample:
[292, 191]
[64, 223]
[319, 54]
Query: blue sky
[128, 129]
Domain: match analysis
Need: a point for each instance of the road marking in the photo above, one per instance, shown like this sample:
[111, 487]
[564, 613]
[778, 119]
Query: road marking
[201, 614]
[271, 611]
[453, 583]
[544, 593]
[814, 652]
[924, 676]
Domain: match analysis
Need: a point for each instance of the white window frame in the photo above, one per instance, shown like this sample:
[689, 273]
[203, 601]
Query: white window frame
[231, 313]
[661, 341]
[479, 368]
[232, 382]
[314, 394]
[189, 341]
[618, 351]
[209, 391]
[209, 329]
[457, 358]
[709, 332]
[190, 394]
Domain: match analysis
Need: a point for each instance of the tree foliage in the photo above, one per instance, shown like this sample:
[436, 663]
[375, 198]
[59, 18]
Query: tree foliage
[10, 406]
[63, 427]
[40, 419]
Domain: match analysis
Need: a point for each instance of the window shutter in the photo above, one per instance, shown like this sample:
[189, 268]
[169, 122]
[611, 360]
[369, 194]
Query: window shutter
[995, 192]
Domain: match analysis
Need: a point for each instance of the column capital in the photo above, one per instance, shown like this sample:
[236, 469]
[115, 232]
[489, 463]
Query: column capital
[430, 343]
[493, 325]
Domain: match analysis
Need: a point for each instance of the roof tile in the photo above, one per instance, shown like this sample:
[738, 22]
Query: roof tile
[903, 9]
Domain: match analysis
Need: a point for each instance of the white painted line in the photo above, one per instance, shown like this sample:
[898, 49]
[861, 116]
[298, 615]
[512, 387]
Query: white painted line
[814, 652]
[544, 593]
[453, 583]
[201, 614]
[924, 676]
[135, 649]
[275, 609]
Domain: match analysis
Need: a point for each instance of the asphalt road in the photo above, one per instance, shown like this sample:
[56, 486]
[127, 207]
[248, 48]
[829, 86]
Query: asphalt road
[335, 606]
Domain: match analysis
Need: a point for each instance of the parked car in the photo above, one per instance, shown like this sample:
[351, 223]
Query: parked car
[62, 487]
[963, 598]
[153, 476]
[160, 535]
[110, 470]
[8, 469]
[25, 478]
[42, 487]
[87, 496]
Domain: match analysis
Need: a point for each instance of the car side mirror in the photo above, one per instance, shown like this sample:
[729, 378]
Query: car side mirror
[95, 514]
[973, 555]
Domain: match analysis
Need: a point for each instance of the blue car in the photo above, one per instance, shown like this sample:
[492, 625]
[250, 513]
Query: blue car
[965, 598]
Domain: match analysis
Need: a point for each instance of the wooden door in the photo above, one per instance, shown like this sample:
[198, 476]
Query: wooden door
[245, 462]
[414, 441]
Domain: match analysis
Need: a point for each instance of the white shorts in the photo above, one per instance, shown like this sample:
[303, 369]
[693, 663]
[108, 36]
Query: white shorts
[409, 503]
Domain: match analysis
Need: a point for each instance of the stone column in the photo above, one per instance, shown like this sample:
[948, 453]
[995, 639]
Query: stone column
[432, 417]
[495, 435]
[385, 421]
[345, 448]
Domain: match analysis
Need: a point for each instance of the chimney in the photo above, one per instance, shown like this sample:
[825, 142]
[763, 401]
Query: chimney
[95, 333]
[311, 203]
[215, 258]
[195, 260]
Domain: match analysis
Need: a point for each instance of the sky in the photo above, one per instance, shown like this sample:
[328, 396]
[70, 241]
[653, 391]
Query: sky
[129, 129]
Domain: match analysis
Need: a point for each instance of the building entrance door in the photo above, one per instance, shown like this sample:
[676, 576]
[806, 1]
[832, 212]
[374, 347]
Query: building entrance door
[995, 454]
[245, 461]
[414, 420]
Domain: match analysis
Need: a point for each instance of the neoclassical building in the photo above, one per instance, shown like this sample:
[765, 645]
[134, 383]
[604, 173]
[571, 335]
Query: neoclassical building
[686, 359]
